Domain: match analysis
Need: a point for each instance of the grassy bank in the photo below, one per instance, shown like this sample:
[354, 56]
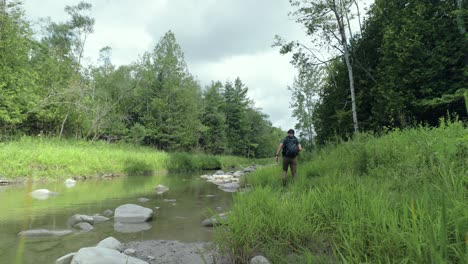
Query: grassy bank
[54, 158]
[399, 198]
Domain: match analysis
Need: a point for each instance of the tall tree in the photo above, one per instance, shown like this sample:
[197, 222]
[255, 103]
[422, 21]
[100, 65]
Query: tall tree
[17, 81]
[235, 106]
[328, 24]
[213, 138]
[305, 92]
[169, 97]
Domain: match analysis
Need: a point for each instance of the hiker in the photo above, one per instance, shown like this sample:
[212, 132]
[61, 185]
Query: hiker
[290, 149]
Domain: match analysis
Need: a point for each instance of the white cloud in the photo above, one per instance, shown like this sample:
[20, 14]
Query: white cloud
[267, 75]
[221, 39]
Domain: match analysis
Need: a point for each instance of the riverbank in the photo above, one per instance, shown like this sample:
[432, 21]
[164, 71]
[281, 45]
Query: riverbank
[396, 198]
[40, 158]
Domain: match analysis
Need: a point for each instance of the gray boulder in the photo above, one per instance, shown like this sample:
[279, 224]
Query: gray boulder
[100, 255]
[132, 213]
[111, 243]
[143, 200]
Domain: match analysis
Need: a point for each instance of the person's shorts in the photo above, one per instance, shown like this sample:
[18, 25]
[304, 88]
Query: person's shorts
[290, 162]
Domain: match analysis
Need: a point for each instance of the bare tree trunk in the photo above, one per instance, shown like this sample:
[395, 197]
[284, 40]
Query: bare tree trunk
[63, 123]
[344, 43]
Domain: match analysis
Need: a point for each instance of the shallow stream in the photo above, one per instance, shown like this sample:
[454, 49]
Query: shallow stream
[178, 213]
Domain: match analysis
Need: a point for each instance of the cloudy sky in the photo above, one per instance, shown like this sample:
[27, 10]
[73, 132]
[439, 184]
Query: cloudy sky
[221, 39]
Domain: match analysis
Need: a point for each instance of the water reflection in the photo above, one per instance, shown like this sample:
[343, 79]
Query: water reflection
[178, 213]
[131, 228]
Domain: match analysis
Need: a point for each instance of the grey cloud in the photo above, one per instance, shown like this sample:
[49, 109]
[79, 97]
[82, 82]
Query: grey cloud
[223, 28]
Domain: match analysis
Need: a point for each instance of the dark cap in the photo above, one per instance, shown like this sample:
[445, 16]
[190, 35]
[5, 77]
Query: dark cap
[291, 131]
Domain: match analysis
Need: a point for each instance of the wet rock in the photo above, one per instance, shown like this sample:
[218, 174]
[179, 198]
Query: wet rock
[132, 213]
[215, 221]
[108, 212]
[170, 200]
[39, 233]
[83, 226]
[238, 174]
[219, 172]
[79, 218]
[69, 183]
[229, 187]
[160, 189]
[42, 194]
[99, 218]
[143, 200]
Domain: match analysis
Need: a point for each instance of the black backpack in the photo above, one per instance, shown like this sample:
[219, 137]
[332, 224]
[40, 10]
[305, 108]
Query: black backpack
[290, 147]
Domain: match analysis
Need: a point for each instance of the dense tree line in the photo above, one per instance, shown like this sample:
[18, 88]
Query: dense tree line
[46, 89]
[408, 60]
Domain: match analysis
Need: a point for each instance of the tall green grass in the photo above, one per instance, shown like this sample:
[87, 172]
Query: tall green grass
[399, 198]
[40, 157]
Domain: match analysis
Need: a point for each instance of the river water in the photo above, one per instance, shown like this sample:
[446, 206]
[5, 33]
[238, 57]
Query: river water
[177, 213]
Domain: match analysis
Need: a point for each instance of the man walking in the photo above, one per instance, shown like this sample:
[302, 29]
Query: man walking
[290, 149]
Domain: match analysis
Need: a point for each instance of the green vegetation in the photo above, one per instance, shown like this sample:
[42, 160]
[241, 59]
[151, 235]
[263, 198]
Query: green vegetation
[58, 158]
[46, 90]
[401, 74]
[399, 198]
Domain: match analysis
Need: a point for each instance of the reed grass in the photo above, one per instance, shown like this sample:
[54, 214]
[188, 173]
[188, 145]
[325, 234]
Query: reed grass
[398, 198]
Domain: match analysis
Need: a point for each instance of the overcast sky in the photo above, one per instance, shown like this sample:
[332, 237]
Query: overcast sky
[221, 39]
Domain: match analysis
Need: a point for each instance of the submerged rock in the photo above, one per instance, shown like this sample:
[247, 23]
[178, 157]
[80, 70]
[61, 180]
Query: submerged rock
[39, 233]
[79, 218]
[214, 221]
[131, 228]
[69, 183]
[160, 189]
[42, 194]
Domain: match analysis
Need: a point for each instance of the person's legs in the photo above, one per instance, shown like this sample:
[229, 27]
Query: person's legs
[286, 163]
[293, 167]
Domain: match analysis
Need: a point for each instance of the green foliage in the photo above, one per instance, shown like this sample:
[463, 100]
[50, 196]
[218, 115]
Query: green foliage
[396, 198]
[46, 91]
[135, 167]
[17, 80]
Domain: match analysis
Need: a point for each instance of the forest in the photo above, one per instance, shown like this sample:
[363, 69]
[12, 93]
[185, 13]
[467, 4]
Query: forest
[46, 90]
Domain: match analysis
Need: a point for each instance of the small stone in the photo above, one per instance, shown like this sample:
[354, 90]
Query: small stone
[129, 251]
